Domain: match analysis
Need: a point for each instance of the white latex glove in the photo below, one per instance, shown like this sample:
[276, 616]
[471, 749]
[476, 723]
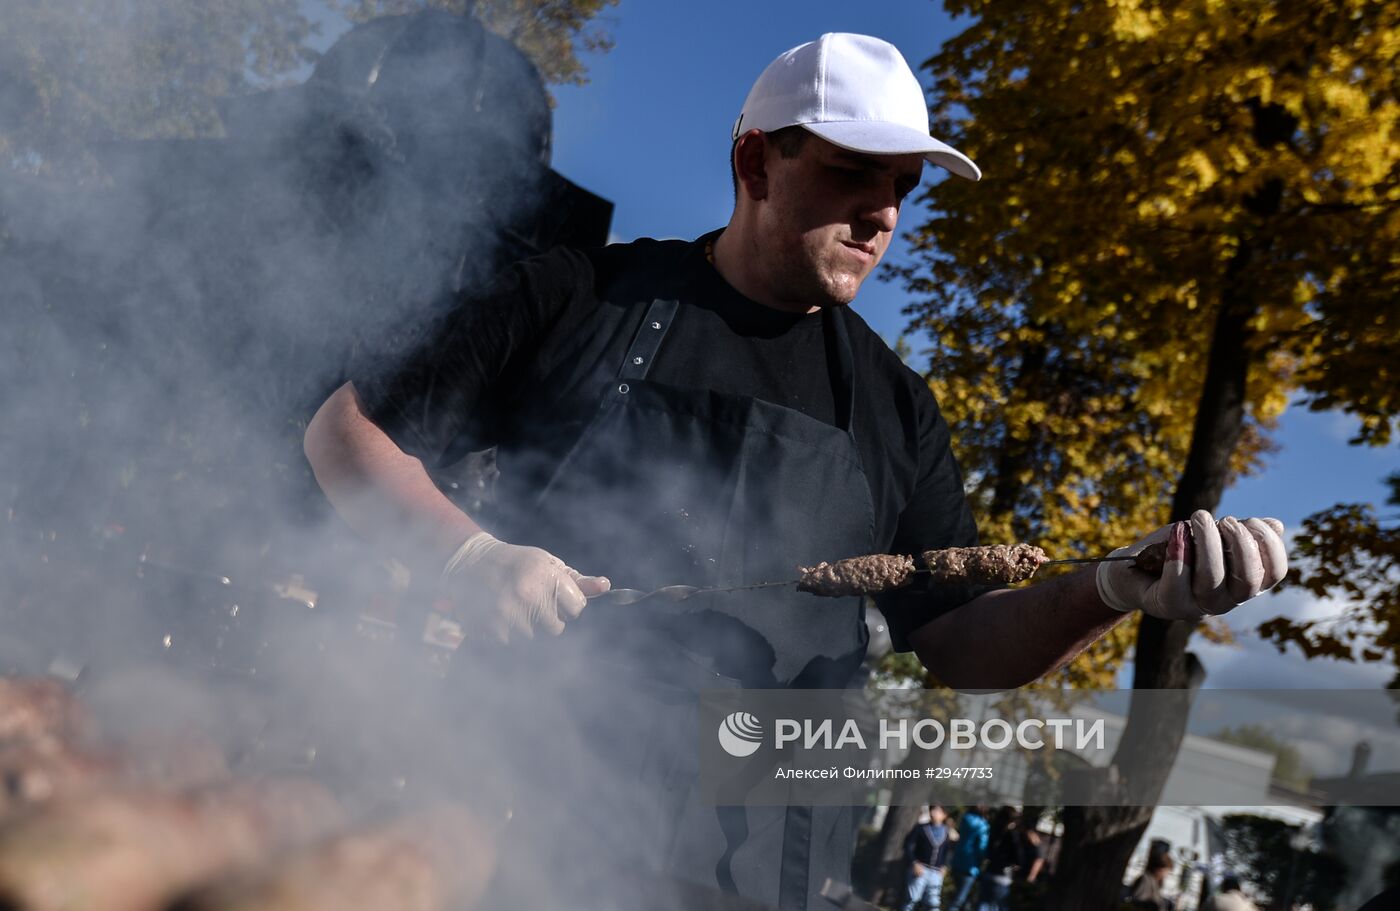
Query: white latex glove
[502, 590]
[1210, 568]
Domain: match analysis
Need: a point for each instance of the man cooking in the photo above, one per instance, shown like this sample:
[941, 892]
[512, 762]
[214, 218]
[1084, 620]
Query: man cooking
[711, 413]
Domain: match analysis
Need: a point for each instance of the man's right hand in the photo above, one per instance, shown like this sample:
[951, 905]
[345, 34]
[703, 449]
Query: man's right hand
[502, 590]
[1211, 568]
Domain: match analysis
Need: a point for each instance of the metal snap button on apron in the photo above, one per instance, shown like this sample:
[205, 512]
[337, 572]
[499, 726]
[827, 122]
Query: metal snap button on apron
[623, 388]
[638, 361]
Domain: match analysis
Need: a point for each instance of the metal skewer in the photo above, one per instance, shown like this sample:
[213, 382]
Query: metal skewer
[676, 592]
[1149, 560]
[1089, 560]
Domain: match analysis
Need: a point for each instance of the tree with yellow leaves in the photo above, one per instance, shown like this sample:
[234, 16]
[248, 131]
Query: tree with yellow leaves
[1191, 212]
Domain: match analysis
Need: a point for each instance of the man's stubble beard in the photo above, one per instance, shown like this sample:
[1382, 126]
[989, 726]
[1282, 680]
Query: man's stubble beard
[810, 277]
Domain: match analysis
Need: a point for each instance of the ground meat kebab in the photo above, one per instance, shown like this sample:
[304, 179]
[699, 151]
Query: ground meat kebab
[1003, 563]
[868, 575]
[876, 573]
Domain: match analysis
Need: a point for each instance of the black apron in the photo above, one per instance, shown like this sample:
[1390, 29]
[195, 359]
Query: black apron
[669, 485]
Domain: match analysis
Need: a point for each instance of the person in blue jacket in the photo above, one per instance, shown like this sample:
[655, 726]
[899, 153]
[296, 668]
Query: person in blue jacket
[971, 852]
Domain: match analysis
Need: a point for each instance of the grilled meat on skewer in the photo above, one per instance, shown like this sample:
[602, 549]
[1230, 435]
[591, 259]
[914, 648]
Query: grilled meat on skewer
[33, 771]
[136, 849]
[427, 861]
[991, 564]
[868, 575]
[44, 769]
[876, 573]
[37, 707]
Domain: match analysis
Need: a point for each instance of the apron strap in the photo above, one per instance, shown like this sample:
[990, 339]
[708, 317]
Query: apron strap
[645, 343]
[839, 340]
[794, 869]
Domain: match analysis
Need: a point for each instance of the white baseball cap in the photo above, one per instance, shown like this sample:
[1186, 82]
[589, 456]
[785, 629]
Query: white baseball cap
[854, 91]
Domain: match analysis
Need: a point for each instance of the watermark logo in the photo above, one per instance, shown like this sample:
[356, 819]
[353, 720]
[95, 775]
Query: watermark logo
[741, 734]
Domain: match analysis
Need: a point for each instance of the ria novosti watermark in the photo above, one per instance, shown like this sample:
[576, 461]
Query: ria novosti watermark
[741, 734]
[1044, 747]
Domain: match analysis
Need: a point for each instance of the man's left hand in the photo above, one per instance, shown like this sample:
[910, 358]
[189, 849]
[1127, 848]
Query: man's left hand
[1211, 568]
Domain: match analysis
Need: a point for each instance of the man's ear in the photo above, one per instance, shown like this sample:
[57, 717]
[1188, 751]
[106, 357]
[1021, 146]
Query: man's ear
[749, 165]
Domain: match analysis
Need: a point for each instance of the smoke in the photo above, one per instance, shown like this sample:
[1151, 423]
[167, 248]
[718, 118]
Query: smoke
[174, 316]
[174, 322]
[178, 309]
[1368, 839]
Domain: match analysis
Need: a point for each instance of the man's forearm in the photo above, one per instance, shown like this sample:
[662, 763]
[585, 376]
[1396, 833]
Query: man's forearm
[1010, 637]
[379, 490]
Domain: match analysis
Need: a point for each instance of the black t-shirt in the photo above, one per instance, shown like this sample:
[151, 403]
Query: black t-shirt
[500, 370]
[1008, 850]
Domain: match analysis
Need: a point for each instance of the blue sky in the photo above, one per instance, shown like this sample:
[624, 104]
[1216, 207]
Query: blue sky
[651, 133]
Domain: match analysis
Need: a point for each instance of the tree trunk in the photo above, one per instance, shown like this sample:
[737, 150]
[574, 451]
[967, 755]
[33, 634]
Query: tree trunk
[1099, 840]
[886, 856]
[1015, 454]
[889, 874]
